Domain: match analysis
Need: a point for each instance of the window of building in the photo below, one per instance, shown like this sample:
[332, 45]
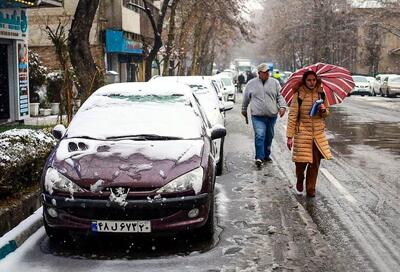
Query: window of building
[133, 36]
[109, 62]
[133, 5]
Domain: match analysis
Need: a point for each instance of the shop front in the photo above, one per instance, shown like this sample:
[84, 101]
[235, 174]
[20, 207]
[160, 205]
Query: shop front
[124, 56]
[14, 87]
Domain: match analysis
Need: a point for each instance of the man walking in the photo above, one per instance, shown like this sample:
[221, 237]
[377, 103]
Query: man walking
[263, 95]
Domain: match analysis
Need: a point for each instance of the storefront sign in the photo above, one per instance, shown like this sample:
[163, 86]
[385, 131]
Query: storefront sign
[13, 24]
[23, 80]
[117, 43]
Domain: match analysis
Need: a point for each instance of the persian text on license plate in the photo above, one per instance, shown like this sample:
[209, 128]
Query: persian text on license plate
[121, 226]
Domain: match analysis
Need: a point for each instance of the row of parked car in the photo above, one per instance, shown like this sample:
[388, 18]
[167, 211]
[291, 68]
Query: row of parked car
[138, 158]
[383, 84]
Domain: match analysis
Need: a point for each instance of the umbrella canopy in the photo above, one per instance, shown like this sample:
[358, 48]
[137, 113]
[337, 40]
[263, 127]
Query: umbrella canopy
[336, 82]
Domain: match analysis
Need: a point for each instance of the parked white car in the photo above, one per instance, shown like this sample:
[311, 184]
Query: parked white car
[204, 91]
[229, 89]
[390, 86]
[362, 86]
[374, 85]
[380, 78]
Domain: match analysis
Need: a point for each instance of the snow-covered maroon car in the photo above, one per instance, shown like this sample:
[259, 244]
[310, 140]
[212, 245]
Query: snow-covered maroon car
[136, 158]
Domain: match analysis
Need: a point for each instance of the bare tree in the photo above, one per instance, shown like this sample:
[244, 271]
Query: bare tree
[89, 75]
[58, 37]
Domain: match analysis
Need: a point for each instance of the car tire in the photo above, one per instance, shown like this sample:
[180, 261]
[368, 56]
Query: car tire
[60, 236]
[220, 164]
[207, 231]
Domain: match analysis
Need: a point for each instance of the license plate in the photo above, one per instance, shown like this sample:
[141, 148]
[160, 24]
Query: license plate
[121, 226]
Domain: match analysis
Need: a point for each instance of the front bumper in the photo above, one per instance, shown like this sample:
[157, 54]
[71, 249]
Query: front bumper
[165, 215]
[362, 91]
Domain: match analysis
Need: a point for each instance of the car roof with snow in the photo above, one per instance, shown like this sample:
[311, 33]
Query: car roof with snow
[144, 88]
[124, 109]
[197, 83]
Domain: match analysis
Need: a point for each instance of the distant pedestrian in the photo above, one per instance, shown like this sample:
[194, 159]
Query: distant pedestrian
[249, 76]
[241, 82]
[263, 95]
[310, 144]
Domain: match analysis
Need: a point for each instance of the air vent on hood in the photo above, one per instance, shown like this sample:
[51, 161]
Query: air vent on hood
[73, 147]
[82, 146]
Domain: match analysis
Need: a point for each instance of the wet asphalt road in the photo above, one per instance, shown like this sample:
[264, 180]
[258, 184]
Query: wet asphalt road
[357, 206]
[352, 224]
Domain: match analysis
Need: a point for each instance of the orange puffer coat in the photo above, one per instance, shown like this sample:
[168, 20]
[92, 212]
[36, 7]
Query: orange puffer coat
[306, 129]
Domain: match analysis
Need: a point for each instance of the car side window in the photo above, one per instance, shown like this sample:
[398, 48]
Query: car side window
[203, 115]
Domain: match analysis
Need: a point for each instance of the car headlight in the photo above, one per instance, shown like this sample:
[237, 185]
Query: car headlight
[56, 181]
[189, 181]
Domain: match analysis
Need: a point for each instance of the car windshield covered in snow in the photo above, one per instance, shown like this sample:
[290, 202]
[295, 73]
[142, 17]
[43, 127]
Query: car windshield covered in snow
[139, 112]
[360, 79]
[227, 81]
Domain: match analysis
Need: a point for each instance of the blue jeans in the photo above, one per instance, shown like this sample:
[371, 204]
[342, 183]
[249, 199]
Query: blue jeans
[264, 133]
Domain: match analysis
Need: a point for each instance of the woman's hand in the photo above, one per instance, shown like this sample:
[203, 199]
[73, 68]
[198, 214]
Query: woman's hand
[322, 108]
[290, 143]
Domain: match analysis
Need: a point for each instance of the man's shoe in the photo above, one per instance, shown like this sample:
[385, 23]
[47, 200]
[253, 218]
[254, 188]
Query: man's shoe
[268, 159]
[299, 186]
[259, 163]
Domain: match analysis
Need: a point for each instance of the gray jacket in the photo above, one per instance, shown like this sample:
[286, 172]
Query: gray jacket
[264, 100]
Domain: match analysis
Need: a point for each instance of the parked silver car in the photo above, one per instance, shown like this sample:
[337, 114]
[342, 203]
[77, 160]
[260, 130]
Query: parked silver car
[391, 86]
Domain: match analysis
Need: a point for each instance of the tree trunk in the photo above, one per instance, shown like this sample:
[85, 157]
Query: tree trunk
[167, 70]
[79, 47]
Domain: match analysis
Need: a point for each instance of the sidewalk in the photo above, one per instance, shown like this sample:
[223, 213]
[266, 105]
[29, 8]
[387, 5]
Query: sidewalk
[50, 120]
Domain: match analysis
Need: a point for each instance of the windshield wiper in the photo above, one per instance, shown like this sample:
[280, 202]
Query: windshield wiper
[145, 137]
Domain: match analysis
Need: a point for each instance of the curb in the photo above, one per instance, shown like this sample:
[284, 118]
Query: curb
[18, 235]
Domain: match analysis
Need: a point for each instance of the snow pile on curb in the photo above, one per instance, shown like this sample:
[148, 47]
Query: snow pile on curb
[22, 156]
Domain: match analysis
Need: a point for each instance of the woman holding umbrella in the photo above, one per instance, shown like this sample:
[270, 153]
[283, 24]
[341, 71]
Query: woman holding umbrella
[310, 144]
[328, 84]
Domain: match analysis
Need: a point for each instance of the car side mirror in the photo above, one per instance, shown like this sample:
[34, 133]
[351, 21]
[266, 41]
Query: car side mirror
[218, 132]
[59, 131]
[227, 106]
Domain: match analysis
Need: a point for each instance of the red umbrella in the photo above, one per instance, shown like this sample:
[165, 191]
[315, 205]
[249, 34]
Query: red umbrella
[336, 82]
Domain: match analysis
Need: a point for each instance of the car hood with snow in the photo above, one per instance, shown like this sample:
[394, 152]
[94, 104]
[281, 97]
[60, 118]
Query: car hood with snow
[140, 165]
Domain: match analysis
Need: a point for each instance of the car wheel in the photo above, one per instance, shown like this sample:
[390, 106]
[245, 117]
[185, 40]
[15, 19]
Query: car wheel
[220, 164]
[207, 231]
[59, 236]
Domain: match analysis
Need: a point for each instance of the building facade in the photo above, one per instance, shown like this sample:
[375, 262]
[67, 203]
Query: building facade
[119, 30]
[14, 74]
[378, 49]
